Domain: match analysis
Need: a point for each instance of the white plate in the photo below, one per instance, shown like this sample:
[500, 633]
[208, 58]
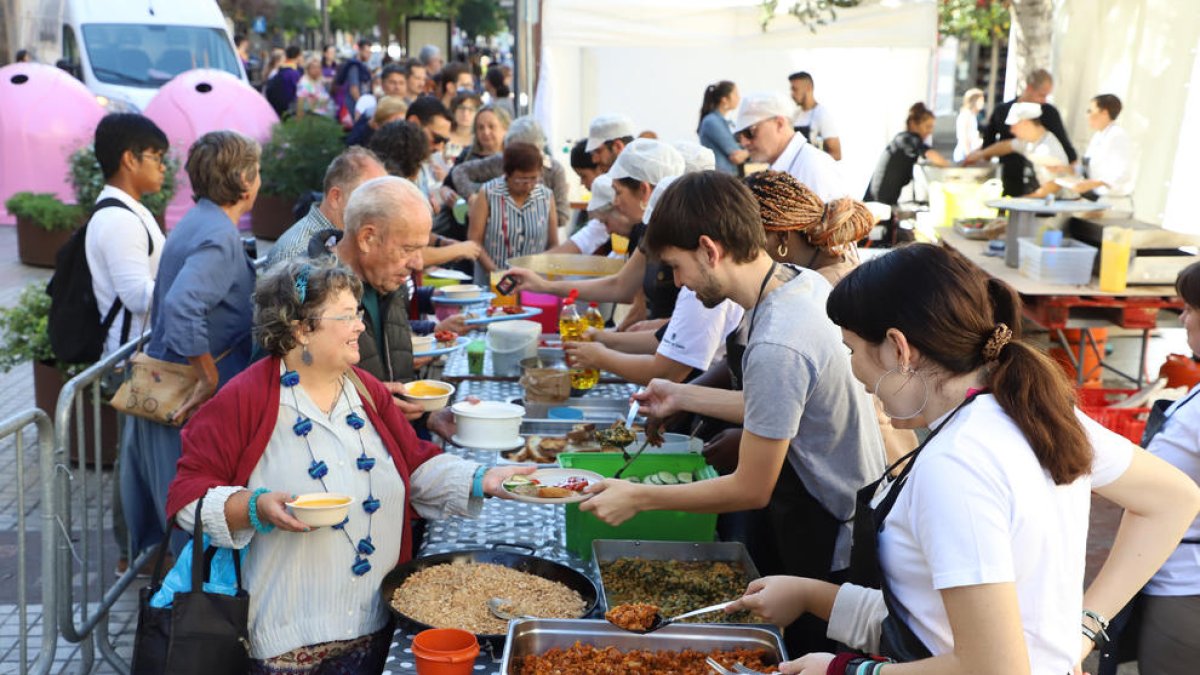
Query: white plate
[502, 445]
[463, 341]
[484, 296]
[448, 274]
[481, 318]
[551, 477]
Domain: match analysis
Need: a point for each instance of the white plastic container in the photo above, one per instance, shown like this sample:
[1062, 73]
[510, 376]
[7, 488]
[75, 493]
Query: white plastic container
[1071, 263]
[487, 424]
[510, 342]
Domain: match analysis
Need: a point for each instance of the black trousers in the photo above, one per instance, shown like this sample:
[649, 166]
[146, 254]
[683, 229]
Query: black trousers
[795, 535]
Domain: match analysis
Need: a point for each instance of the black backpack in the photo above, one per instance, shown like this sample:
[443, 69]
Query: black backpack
[364, 72]
[276, 92]
[77, 333]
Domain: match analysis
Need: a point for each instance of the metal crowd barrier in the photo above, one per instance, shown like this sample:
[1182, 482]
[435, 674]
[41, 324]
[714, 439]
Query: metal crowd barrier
[15, 427]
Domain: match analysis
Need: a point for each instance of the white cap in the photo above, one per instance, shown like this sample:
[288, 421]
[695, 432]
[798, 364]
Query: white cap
[696, 157]
[648, 161]
[762, 106]
[606, 128]
[1023, 111]
[602, 194]
[655, 196]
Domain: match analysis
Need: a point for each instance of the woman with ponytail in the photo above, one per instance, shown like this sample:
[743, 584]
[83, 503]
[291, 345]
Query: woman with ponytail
[895, 167]
[715, 130]
[977, 545]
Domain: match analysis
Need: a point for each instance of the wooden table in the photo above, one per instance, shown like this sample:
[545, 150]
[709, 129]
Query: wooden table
[1022, 218]
[1058, 307]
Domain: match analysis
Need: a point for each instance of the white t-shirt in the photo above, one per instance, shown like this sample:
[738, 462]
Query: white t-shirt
[590, 237]
[1109, 158]
[1042, 154]
[696, 334]
[118, 254]
[1178, 442]
[978, 509]
[818, 120]
[816, 170]
[365, 105]
[966, 133]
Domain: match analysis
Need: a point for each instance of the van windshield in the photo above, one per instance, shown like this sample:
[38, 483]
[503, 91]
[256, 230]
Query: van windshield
[148, 56]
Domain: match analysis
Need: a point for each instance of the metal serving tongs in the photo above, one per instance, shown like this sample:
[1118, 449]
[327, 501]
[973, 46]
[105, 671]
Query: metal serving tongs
[738, 669]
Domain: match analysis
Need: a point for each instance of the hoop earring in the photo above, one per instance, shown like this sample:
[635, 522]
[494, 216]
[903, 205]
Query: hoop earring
[924, 384]
[782, 249]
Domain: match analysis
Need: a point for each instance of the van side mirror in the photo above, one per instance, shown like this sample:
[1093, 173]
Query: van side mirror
[71, 68]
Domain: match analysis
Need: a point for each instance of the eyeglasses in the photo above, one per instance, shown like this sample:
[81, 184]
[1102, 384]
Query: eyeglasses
[357, 316]
[747, 133]
[158, 157]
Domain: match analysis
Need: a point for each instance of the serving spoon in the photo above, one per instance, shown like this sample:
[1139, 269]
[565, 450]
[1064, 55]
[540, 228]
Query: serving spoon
[497, 607]
[660, 622]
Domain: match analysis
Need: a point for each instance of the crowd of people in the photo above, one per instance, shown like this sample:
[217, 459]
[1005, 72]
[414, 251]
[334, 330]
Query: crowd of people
[753, 323]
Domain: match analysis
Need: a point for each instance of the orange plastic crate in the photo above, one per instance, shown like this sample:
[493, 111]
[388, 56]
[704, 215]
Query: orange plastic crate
[1129, 422]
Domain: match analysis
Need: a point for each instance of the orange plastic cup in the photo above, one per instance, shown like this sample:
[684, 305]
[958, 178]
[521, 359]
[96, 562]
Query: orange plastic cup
[445, 651]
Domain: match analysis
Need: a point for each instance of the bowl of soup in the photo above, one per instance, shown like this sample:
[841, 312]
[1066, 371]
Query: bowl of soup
[321, 509]
[429, 394]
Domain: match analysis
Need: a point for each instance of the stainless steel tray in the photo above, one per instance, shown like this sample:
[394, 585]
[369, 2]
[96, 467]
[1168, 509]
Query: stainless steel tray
[595, 409]
[673, 443]
[530, 637]
[608, 550]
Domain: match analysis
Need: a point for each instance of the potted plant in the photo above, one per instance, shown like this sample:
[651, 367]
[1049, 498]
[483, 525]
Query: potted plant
[293, 164]
[24, 338]
[86, 177]
[44, 224]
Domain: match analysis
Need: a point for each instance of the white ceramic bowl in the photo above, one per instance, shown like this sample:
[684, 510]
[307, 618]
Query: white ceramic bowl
[462, 291]
[321, 509]
[431, 402]
[486, 423]
[422, 343]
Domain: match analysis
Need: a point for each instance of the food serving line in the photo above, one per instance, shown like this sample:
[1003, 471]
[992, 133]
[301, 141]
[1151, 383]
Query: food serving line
[533, 538]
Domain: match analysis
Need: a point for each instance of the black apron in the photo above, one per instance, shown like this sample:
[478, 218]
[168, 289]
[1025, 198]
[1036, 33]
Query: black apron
[896, 641]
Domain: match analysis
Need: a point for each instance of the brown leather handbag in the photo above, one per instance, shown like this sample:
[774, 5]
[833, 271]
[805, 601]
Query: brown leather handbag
[154, 389]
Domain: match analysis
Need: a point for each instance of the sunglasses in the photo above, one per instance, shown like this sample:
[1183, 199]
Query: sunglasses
[747, 133]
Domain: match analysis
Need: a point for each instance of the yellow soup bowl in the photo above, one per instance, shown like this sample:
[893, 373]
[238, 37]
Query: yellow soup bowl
[320, 509]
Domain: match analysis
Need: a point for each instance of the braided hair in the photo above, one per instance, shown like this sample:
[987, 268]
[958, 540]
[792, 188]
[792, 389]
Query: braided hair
[786, 205]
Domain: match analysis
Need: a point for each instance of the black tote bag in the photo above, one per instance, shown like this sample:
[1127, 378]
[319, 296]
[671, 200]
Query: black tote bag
[201, 633]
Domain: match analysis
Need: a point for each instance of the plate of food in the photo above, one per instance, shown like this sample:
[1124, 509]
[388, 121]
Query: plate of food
[444, 342]
[551, 486]
[494, 314]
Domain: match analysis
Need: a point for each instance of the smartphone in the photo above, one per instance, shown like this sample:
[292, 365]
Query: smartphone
[507, 284]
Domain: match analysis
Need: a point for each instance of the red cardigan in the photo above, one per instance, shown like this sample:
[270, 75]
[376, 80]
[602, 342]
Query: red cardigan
[226, 438]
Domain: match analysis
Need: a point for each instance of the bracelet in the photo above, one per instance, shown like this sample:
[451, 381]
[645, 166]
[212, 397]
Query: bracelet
[1099, 638]
[865, 665]
[477, 483]
[258, 525]
[1098, 618]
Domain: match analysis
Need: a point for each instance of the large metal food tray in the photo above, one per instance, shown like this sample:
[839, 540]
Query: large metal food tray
[672, 443]
[530, 637]
[595, 409]
[608, 550]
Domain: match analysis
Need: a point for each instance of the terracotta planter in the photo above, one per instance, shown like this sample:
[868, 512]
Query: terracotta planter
[47, 383]
[271, 216]
[37, 246]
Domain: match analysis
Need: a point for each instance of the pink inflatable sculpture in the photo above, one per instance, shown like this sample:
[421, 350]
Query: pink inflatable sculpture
[197, 102]
[45, 115]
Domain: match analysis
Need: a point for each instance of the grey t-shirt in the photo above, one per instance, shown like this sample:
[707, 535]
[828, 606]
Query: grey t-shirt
[798, 385]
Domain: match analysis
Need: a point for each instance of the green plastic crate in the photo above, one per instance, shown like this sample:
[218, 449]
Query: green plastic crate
[582, 527]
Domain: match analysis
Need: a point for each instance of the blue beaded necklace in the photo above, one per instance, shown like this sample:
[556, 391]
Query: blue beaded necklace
[318, 470]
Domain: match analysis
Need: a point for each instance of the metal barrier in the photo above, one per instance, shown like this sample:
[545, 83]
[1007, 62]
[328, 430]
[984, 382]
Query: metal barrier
[14, 427]
[83, 599]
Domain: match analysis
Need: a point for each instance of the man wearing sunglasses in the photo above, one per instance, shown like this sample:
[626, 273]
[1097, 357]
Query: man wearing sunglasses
[764, 128]
[435, 120]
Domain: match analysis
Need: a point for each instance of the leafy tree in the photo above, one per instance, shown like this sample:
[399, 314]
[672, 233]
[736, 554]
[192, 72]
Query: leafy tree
[811, 13]
[296, 16]
[482, 18]
[985, 22]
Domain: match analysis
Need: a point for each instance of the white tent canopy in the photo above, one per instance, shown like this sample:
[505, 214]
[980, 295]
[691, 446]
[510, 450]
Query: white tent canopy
[652, 59]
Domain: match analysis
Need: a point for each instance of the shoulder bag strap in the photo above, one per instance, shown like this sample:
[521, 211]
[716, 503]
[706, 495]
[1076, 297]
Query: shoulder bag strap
[199, 569]
[362, 390]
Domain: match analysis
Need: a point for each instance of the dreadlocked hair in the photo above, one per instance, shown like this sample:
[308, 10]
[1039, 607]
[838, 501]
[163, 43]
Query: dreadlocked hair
[786, 205]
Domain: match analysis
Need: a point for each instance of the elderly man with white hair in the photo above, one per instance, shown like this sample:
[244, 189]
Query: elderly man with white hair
[764, 128]
[387, 225]
[468, 177]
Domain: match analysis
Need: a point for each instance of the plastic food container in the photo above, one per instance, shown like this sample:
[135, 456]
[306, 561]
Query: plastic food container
[462, 291]
[422, 343]
[485, 423]
[510, 342]
[584, 528]
[429, 394]
[321, 509]
[445, 651]
[1070, 263]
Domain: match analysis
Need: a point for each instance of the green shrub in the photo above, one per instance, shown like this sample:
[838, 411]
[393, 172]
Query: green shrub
[295, 159]
[45, 210]
[87, 178]
[23, 334]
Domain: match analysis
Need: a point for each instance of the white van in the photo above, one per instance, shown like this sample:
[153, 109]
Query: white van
[124, 50]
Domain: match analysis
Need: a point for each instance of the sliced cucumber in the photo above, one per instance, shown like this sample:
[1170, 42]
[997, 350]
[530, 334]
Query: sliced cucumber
[684, 476]
[667, 478]
[698, 475]
[634, 479]
[652, 479]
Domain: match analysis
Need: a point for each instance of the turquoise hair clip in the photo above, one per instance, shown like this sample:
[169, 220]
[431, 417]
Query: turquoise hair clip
[302, 283]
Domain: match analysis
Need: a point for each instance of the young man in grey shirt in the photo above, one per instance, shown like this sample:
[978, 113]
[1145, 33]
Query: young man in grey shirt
[810, 440]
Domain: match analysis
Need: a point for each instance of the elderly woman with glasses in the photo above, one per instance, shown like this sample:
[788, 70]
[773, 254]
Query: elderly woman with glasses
[513, 215]
[306, 419]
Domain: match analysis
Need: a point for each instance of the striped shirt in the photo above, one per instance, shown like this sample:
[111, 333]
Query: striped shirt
[516, 230]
